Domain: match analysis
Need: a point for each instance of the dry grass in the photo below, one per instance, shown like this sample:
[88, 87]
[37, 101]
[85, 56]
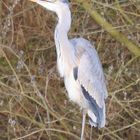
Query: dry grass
[33, 103]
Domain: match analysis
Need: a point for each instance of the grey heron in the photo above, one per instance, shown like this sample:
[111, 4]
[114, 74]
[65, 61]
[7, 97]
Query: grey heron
[80, 67]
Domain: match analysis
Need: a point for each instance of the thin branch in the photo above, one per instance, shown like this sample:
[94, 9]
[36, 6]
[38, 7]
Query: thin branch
[132, 47]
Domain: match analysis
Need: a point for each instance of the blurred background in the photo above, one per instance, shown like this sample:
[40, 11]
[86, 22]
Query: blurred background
[33, 100]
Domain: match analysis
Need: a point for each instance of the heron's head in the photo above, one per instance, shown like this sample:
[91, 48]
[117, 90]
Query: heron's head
[53, 5]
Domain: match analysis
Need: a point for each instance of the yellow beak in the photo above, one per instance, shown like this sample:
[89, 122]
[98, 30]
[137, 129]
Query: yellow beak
[33, 0]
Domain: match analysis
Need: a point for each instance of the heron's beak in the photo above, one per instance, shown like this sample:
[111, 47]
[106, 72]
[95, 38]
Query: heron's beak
[33, 0]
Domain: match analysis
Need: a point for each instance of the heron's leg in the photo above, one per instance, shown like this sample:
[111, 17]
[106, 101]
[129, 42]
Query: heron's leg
[83, 125]
[91, 133]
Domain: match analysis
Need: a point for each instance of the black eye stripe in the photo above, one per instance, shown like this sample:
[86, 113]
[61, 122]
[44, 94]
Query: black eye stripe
[52, 1]
[65, 1]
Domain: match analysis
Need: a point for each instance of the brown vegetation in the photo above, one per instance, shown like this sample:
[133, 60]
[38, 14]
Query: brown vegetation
[33, 101]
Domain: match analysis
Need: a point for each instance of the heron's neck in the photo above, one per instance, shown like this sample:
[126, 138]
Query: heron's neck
[62, 28]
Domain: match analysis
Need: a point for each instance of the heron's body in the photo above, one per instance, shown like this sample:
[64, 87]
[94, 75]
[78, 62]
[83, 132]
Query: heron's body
[78, 63]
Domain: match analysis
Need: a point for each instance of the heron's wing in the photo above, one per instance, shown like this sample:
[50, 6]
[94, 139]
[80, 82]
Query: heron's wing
[90, 73]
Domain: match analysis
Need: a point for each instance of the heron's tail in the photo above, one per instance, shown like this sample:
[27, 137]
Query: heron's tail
[95, 112]
[97, 121]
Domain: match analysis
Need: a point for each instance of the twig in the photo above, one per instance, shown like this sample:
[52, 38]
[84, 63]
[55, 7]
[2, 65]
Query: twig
[110, 29]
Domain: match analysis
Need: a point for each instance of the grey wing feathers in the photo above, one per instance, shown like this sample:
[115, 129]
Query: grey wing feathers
[90, 73]
[98, 112]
